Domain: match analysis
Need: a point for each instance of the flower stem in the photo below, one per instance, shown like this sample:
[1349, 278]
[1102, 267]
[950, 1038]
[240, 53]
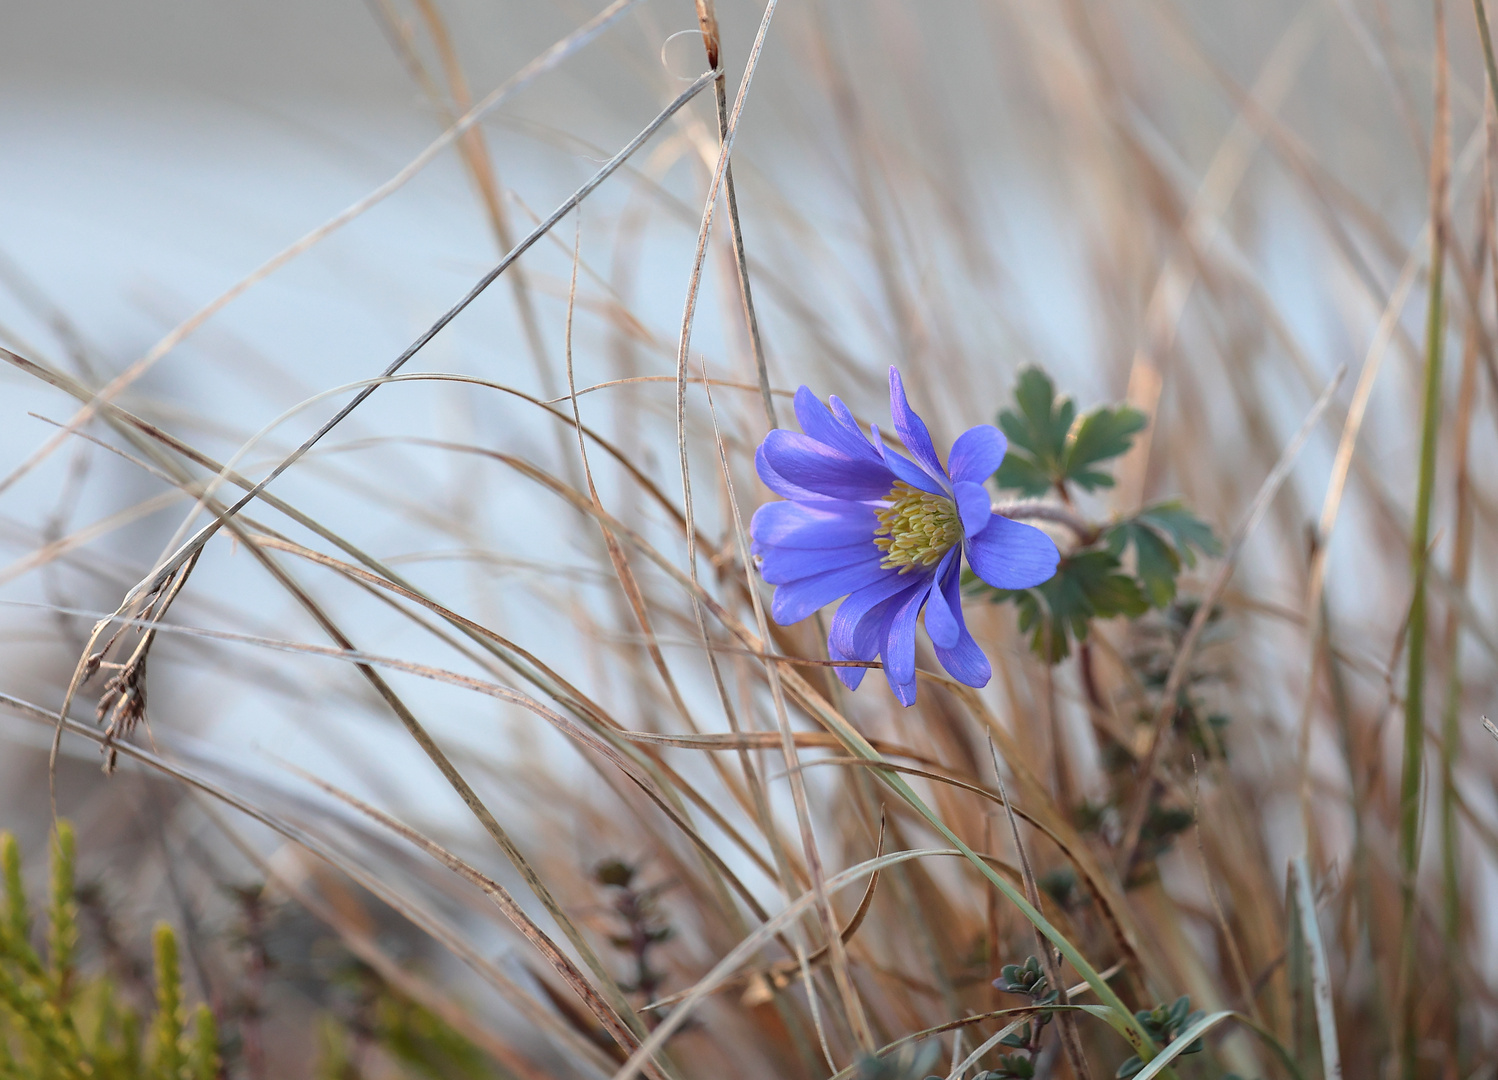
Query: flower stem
[1085, 531]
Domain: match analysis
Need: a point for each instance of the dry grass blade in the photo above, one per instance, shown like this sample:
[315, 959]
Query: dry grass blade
[180, 560]
[1127, 1023]
[769, 740]
[1071, 1042]
[58, 548]
[440, 931]
[853, 1008]
[528, 663]
[452, 678]
[1209, 599]
[707, 18]
[1176, 280]
[617, 559]
[751, 944]
[780, 975]
[569, 696]
[476, 159]
[1235, 954]
[496, 892]
[1336, 486]
[1303, 909]
[643, 379]
[358, 939]
[1211, 208]
[610, 1007]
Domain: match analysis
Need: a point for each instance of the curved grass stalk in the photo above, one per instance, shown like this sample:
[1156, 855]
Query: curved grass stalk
[1201, 1027]
[860, 747]
[746, 948]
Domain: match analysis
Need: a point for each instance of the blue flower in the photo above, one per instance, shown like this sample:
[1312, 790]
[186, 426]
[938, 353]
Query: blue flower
[890, 534]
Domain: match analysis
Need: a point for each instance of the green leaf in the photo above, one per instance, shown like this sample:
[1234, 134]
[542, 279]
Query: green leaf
[1047, 418]
[1087, 585]
[1102, 435]
[1023, 475]
[1162, 537]
[1049, 445]
[1156, 562]
[1199, 1025]
[1037, 434]
[1184, 528]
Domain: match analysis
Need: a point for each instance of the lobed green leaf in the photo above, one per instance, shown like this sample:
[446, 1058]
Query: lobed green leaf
[1087, 585]
[1050, 446]
[1102, 435]
[1162, 537]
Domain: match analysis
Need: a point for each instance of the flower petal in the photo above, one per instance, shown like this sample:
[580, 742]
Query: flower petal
[863, 631]
[904, 692]
[1012, 555]
[779, 484]
[898, 651]
[851, 676]
[942, 624]
[911, 428]
[973, 506]
[782, 565]
[843, 636]
[909, 471]
[898, 634]
[819, 423]
[798, 599]
[964, 661]
[977, 454]
[844, 414]
[827, 523]
[814, 466]
[868, 650]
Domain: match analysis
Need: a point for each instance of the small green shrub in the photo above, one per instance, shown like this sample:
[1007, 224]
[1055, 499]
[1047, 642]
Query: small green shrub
[56, 1023]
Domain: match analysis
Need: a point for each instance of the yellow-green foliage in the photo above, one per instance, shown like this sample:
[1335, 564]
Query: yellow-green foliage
[58, 1025]
[416, 1040]
[424, 1044]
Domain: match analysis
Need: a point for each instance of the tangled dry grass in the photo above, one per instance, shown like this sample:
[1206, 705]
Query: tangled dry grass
[469, 749]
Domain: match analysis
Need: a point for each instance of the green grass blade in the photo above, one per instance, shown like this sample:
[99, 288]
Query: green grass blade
[1413, 775]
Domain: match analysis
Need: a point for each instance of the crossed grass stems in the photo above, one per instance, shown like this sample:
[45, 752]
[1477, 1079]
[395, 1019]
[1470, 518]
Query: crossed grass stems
[589, 723]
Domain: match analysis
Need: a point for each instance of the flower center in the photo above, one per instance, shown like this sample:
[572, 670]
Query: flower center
[916, 528]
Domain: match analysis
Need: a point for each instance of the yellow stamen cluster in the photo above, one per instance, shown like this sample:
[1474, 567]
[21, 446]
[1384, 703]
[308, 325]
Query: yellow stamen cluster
[916, 528]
